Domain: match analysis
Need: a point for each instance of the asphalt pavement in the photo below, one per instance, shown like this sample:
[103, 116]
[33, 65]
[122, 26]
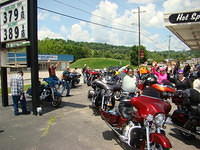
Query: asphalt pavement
[73, 126]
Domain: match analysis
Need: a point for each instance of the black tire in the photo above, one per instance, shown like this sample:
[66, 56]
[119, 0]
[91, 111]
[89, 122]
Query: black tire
[57, 101]
[89, 83]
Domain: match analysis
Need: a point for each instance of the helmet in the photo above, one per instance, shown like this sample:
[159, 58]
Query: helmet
[162, 68]
[143, 70]
[150, 79]
[180, 71]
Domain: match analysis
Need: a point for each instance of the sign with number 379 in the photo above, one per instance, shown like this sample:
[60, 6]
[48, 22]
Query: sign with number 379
[14, 21]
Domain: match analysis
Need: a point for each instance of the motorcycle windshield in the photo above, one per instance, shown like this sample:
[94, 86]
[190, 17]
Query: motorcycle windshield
[148, 105]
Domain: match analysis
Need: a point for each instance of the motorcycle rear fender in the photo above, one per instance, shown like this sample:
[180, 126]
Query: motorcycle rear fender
[160, 139]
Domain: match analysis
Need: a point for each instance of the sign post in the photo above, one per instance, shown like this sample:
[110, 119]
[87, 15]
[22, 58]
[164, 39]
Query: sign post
[34, 54]
[18, 23]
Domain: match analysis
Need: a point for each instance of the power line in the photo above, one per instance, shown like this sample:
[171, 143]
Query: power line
[76, 18]
[114, 28]
[87, 12]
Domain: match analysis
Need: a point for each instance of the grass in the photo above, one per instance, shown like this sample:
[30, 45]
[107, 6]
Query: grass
[25, 88]
[98, 63]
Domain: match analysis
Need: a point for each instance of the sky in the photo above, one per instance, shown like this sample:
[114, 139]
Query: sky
[83, 15]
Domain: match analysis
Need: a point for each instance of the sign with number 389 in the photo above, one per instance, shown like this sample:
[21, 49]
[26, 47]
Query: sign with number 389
[14, 21]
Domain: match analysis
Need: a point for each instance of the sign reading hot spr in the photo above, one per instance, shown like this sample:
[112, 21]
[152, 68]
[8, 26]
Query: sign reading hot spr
[186, 17]
[14, 21]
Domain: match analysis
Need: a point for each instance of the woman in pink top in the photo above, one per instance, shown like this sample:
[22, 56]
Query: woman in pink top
[161, 74]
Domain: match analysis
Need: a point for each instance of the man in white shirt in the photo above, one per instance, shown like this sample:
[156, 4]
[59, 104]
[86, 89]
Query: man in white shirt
[128, 80]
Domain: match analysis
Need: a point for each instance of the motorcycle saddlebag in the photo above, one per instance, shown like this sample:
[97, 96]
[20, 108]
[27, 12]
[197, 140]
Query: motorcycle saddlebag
[179, 117]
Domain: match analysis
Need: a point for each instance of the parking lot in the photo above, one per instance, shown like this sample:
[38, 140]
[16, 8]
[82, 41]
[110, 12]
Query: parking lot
[73, 126]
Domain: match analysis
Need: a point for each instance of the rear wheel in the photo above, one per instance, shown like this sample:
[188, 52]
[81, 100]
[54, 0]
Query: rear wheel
[57, 101]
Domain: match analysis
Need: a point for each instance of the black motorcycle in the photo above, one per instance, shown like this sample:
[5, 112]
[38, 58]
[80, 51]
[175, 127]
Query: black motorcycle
[48, 92]
[75, 78]
[187, 115]
[104, 94]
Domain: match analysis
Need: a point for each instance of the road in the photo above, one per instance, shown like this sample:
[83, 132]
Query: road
[71, 127]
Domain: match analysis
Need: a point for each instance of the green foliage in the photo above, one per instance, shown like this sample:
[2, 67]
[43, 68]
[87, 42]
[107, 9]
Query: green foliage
[86, 50]
[98, 63]
[83, 49]
[25, 88]
[134, 55]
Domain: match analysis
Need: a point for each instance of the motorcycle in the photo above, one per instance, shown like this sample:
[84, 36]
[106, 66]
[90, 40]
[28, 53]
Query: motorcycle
[104, 94]
[49, 92]
[91, 76]
[162, 91]
[139, 122]
[75, 78]
[186, 117]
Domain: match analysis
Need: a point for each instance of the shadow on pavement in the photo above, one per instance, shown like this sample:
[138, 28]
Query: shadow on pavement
[76, 86]
[94, 110]
[1, 131]
[110, 135]
[74, 105]
[187, 140]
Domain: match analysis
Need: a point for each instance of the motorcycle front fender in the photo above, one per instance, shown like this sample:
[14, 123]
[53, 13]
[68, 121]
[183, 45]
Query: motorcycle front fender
[57, 94]
[160, 139]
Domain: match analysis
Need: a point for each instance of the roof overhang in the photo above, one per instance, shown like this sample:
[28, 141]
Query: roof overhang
[186, 26]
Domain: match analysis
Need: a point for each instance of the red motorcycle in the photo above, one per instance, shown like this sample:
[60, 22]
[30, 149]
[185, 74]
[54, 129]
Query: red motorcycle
[139, 122]
[91, 76]
[150, 87]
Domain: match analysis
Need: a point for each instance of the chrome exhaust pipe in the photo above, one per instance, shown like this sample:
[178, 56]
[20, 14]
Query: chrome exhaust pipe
[123, 138]
[186, 131]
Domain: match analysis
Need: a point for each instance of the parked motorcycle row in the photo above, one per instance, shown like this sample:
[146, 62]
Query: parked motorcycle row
[50, 89]
[139, 119]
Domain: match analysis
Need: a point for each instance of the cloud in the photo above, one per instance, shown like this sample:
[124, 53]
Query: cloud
[42, 15]
[180, 5]
[141, 1]
[63, 29]
[56, 18]
[78, 34]
[47, 33]
[152, 18]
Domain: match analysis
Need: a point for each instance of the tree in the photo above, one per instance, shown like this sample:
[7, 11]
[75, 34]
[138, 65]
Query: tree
[134, 55]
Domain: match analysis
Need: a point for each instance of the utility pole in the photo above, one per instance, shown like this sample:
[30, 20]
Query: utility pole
[138, 36]
[169, 47]
[139, 40]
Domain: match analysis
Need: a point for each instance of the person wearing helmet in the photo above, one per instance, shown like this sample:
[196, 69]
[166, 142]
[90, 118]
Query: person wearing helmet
[161, 74]
[181, 82]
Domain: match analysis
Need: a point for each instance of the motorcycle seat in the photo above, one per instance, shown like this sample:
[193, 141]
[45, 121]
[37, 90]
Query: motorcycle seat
[115, 87]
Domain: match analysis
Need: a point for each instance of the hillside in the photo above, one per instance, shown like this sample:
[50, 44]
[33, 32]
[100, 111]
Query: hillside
[98, 63]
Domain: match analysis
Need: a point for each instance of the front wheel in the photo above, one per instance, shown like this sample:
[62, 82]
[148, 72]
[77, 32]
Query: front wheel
[153, 146]
[57, 101]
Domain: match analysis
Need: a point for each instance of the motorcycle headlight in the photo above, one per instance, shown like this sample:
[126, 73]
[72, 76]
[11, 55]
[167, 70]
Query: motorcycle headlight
[150, 118]
[159, 120]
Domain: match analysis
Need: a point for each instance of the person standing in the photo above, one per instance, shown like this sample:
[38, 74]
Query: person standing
[84, 73]
[52, 70]
[66, 81]
[17, 91]
[186, 70]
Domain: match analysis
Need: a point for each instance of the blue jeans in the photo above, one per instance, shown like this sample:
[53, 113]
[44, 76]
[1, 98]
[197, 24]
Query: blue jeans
[66, 85]
[16, 99]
